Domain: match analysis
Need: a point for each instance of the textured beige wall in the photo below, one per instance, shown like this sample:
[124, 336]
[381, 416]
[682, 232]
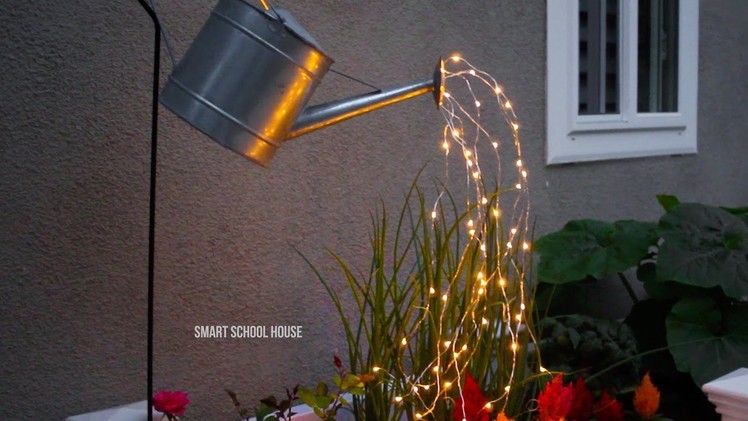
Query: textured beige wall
[74, 130]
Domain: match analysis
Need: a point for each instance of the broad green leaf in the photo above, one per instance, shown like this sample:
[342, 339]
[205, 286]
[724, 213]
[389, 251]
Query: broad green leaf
[665, 290]
[704, 246]
[708, 340]
[588, 247]
[667, 201]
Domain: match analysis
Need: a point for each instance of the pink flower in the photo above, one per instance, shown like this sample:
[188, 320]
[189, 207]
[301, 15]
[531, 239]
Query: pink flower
[171, 403]
[472, 404]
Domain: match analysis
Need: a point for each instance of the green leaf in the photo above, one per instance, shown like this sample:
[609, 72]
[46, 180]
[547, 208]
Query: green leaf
[270, 401]
[574, 337]
[308, 397]
[594, 248]
[324, 401]
[321, 389]
[667, 201]
[351, 380]
[704, 246]
[707, 339]
[263, 412]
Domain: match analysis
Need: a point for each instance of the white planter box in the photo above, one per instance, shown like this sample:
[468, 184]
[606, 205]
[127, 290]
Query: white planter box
[730, 394]
[132, 412]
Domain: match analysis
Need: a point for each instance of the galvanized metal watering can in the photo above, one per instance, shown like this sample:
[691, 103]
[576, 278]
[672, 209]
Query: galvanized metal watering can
[247, 78]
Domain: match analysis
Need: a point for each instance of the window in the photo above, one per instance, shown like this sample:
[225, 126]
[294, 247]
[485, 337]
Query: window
[622, 79]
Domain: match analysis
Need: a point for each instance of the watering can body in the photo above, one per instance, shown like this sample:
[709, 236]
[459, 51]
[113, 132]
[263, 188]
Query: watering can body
[248, 76]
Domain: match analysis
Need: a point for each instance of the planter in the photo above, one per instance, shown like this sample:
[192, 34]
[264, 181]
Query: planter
[730, 394]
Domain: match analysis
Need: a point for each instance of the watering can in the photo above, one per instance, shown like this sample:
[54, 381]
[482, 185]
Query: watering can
[248, 76]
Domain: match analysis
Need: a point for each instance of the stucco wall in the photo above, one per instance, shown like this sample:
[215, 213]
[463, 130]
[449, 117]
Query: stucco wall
[74, 130]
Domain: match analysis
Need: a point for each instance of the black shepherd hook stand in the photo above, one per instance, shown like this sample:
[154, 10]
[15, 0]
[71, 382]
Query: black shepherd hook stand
[152, 205]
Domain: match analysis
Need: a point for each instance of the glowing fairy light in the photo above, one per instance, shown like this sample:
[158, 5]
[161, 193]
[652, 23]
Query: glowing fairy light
[375, 369]
[481, 131]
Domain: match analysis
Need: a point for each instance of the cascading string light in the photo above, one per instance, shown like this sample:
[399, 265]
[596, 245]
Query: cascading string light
[503, 284]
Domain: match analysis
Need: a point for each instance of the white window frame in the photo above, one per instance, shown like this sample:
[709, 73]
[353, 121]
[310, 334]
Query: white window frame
[576, 138]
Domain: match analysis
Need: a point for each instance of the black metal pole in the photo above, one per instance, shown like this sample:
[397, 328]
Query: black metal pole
[152, 196]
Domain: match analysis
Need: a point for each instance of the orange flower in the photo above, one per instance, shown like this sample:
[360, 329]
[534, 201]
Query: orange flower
[554, 402]
[503, 417]
[646, 398]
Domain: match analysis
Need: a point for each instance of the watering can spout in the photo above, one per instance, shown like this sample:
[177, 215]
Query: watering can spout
[248, 76]
[316, 117]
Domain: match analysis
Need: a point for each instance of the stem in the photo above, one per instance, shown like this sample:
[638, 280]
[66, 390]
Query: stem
[651, 351]
[627, 285]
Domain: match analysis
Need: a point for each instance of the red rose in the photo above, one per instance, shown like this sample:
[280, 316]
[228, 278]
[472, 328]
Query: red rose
[171, 402]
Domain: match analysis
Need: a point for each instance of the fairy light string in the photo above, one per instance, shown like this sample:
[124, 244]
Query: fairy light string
[481, 127]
